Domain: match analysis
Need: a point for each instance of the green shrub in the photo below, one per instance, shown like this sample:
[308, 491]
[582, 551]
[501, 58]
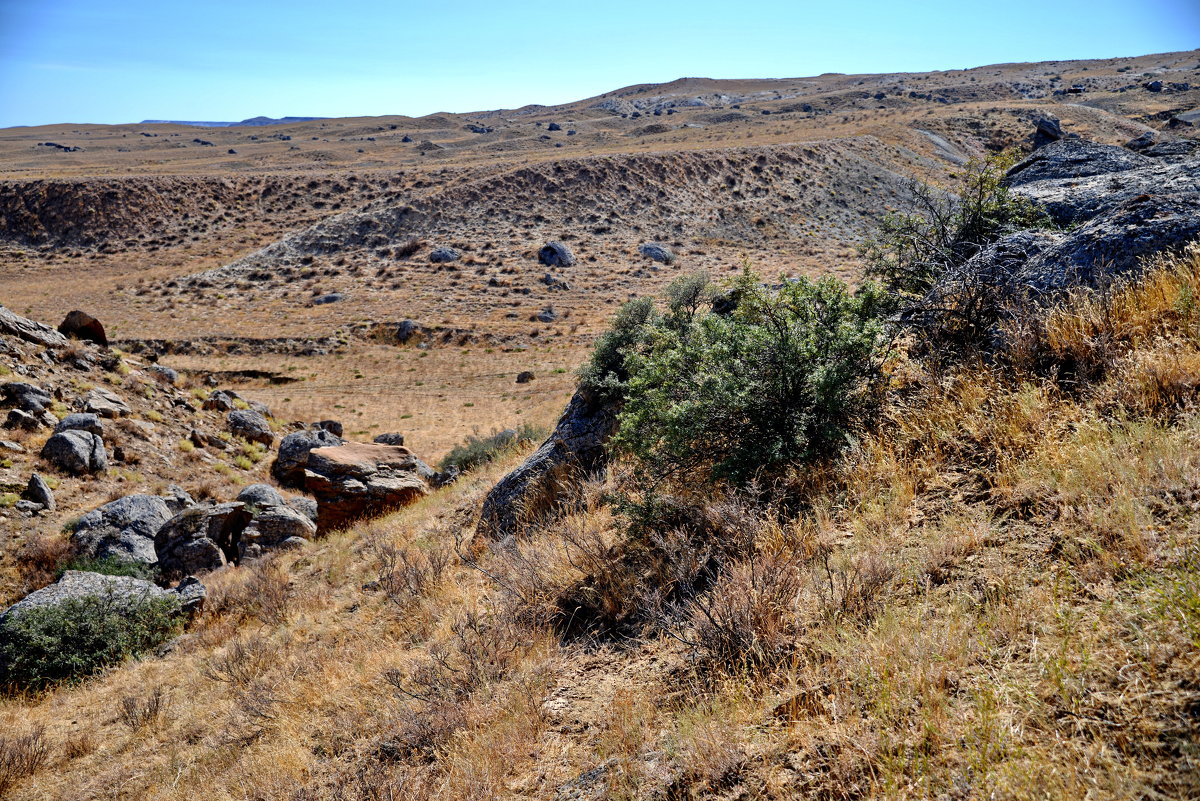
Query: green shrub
[79, 637]
[476, 450]
[109, 566]
[911, 251]
[780, 378]
[605, 373]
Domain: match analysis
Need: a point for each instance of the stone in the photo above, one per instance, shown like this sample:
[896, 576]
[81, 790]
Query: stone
[123, 591]
[105, 403]
[1046, 130]
[555, 283]
[443, 255]
[390, 438]
[123, 529]
[332, 426]
[201, 538]
[24, 420]
[251, 426]
[39, 492]
[525, 376]
[549, 478]
[192, 595]
[9, 445]
[81, 421]
[657, 252]
[275, 525]
[202, 439]
[81, 325]
[260, 496]
[554, 126]
[305, 506]
[546, 315]
[76, 452]
[27, 507]
[358, 480]
[288, 467]
[1074, 200]
[406, 330]
[556, 254]
[1153, 86]
[221, 400]
[30, 331]
[1073, 158]
[26, 397]
[164, 374]
[332, 297]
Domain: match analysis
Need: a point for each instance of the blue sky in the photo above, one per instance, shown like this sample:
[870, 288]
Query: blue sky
[128, 60]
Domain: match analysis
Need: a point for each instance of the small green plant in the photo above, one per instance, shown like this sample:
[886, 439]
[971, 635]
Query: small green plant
[79, 637]
[186, 446]
[9, 499]
[109, 566]
[477, 450]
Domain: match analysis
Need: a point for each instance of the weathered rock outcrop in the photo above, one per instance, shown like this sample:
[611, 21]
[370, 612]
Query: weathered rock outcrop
[81, 325]
[544, 482]
[201, 538]
[357, 480]
[288, 467]
[251, 426]
[30, 331]
[123, 529]
[556, 254]
[1074, 158]
[122, 591]
[105, 403]
[81, 421]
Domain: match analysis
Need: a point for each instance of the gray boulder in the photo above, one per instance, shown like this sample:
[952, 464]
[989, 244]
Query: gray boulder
[221, 400]
[305, 506]
[1073, 158]
[38, 333]
[556, 254]
[260, 496]
[274, 526]
[201, 538]
[444, 255]
[391, 438]
[123, 591]
[29, 422]
[105, 403]
[657, 252]
[546, 480]
[26, 397]
[1046, 130]
[164, 374]
[123, 529]
[81, 421]
[39, 492]
[288, 467]
[76, 452]
[251, 426]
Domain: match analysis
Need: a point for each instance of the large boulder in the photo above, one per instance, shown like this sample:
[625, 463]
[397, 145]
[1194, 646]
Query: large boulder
[76, 452]
[1073, 158]
[288, 467]
[81, 421]
[105, 403]
[251, 426]
[38, 333]
[201, 538]
[26, 397]
[444, 255]
[275, 527]
[122, 591]
[357, 480]
[260, 496]
[81, 325]
[657, 252]
[556, 254]
[546, 480]
[123, 529]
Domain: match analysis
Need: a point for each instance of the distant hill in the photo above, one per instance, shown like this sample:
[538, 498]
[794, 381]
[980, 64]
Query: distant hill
[253, 121]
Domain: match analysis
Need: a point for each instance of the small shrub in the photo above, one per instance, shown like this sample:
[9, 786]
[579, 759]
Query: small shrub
[477, 450]
[109, 566]
[21, 755]
[141, 711]
[81, 636]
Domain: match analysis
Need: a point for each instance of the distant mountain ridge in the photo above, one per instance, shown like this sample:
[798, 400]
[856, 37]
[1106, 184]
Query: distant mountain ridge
[253, 121]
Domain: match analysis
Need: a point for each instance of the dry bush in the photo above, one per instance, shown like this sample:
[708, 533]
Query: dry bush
[141, 711]
[244, 660]
[621, 743]
[21, 755]
[407, 574]
[269, 592]
[409, 248]
[39, 558]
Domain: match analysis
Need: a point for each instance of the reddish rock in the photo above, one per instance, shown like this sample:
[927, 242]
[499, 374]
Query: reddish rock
[81, 325]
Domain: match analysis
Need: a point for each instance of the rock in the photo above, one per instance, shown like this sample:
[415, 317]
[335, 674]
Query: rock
[30, 331]
[1153, 86]
[305, 506]
[203, 439]
[9, 445]
[544, 482]
[259, 496]
[26, 397]
[406, 330]
[275, 525]
[39, 492]
[391, 438]
[27, 507]
[81, 421]
[406, 139]
[546, 315]
[556, 254]
[123, 591]
[123, 529]
[251, 426]
[657, 252]
[76, 452]
[1046, 130]
[554, 282]
[332, 426]
[332, 297]
[177, 499]
[524, 377]
[81, 325]
[357, 480]
[105, 403]
[288, 467]
[554, 126]
[1073, 158]
[26, 421]
[1174, 151]
[192, 595]
[164, 374]
[201, 538]
[221, 400]
[1187, 119]
[443, 255]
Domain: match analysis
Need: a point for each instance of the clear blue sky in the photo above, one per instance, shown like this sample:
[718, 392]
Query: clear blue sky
[128, 60]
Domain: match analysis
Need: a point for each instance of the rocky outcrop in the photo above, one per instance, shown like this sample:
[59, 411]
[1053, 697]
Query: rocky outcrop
[81, 325]
[201, 538]
[123, 592]
[1074, 158]
[250, 426]
[275, 527]
[38, 333]
[76, 452]
[288, 467]
[657, 252]
[546, 480]
[105, 403]
[26, 397]
[357, 480]
[123, 529]
[444, 255]
[81, 421]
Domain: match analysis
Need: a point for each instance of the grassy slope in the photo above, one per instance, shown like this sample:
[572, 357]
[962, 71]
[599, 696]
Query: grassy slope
[995, 595]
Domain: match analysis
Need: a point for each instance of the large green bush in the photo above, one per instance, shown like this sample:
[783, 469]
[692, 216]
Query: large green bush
[781, 376]
[81, 636]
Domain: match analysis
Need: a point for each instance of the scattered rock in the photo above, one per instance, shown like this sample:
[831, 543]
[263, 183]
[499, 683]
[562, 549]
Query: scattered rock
[305, 506]
[443, 255]
[543, 483]
[546, 315]
[391, 438]
[556, 254]
[76, 452]
[260, 496]
[26, 421]
[202, 439]
[39, 492]
[288, 467]
[356, 480]
[657, 252]
[1046, 130]
[554, 282]
[81, 325]
[221, 400]
[26, 397]
[406, 330]
[123, 529]
[192, 595]
[332, 297]
[164, 374]
[251, 426]
[554, 126]
[81, 421]
[332, 426]
[105, 403]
